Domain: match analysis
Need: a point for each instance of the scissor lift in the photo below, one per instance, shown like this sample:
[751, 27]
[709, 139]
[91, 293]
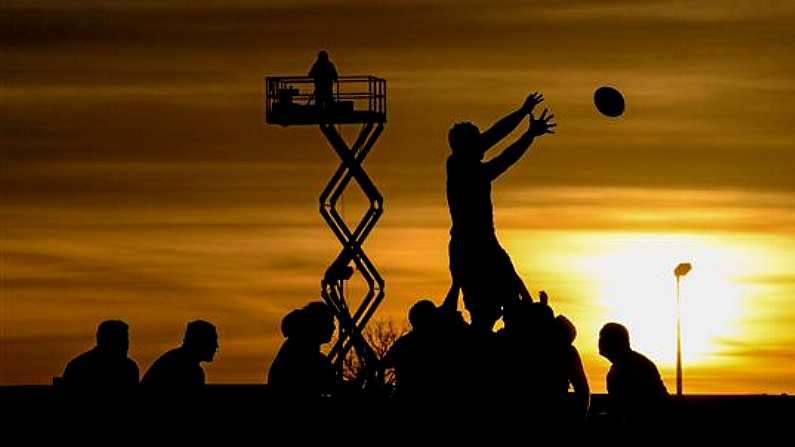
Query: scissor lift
[290, 100]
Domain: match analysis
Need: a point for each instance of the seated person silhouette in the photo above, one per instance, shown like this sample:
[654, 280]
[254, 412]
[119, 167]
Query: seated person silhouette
[570, 369]
[636, 393]
[180, 368]
[300, 370]
[417, 355]
[324, 73]
[106, 367]
[477, 261]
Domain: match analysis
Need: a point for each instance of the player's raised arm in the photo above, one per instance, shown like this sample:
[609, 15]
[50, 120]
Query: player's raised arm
[514, 152]
[507, 124]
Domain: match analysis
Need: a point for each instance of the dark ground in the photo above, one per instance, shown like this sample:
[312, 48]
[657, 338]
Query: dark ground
[251, 412]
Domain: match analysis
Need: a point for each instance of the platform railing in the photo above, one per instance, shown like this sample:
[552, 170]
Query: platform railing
[355, 99]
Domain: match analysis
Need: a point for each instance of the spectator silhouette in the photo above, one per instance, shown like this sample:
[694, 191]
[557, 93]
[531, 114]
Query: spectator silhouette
[300, 370]
[106, 367]
[477, 261]
[570, 370]
[416, 356]
[635, 390]
[180, 368]
[324, 73]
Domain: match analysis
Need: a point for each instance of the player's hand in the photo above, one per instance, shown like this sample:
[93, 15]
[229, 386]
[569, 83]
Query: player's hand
[542, 125]
[533, 100]
[543, 298]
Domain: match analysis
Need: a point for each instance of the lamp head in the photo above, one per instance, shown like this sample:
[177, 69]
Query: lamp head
[682, 269]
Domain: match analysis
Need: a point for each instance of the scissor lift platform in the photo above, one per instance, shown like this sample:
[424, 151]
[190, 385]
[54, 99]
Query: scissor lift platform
[357, 100]
[290, 100]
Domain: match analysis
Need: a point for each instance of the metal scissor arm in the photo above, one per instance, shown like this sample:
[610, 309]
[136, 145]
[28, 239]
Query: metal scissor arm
[350, 169]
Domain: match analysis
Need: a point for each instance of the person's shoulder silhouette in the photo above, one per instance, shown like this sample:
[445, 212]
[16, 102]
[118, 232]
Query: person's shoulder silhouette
[181, 367]
[300, 369]
[106, 366]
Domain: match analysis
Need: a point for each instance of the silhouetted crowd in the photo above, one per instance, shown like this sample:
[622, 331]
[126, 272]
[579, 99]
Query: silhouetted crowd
[530, 364]
[530, 367]
[107, 371]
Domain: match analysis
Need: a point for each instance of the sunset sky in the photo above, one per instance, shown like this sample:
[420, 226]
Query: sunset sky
[139, 180]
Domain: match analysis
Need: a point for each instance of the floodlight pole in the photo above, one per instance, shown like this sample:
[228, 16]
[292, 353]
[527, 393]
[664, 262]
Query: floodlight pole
[679, 271]
[678, 341]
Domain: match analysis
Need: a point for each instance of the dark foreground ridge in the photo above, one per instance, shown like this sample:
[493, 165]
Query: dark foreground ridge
[250, 409]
